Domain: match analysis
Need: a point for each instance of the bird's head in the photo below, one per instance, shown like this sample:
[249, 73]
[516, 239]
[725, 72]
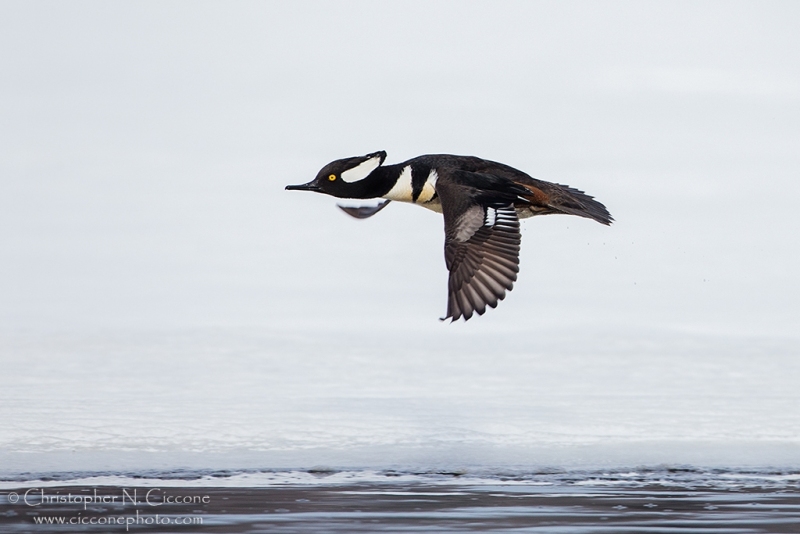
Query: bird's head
[341, 178]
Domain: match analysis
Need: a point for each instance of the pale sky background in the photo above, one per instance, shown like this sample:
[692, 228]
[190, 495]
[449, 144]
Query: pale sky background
[144, 148]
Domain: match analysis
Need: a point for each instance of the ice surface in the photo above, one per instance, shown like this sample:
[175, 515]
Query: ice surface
[435, 399]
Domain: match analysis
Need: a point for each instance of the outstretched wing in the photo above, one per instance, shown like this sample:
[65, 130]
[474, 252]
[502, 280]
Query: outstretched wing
[362, 212]
[483, 260]
[481, 248]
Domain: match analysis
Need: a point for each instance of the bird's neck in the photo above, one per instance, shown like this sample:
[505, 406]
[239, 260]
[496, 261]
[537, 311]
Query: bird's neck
[376, 184]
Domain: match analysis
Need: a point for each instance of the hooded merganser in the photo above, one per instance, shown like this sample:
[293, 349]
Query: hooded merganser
[482, 202]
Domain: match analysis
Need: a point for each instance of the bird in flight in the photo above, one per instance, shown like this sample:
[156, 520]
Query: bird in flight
[482, 202]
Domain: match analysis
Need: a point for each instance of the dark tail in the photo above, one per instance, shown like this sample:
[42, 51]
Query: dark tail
[575, 202]
[564, 199]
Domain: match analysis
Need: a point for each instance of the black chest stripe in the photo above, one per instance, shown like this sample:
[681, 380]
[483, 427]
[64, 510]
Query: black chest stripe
[419, 175]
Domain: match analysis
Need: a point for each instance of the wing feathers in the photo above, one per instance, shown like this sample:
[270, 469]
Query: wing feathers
[362, 212]
[485, 265]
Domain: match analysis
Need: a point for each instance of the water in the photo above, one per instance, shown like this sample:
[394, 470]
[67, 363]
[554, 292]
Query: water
[656, 500]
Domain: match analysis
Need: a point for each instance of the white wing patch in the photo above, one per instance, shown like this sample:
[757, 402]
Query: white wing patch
[469, 222]
[429, 189]
[402, 190]
[362, 170]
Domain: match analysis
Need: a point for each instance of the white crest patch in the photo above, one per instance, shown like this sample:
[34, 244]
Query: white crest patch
[429, 188]
[362, 170]
[402, 190]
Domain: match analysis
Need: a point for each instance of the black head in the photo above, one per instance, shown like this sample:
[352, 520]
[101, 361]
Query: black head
[341, 178]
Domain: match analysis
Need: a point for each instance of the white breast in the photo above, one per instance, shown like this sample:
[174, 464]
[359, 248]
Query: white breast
[429, 189]
[402, 191]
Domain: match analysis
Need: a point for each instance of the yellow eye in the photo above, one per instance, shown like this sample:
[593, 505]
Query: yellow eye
[332, 177]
